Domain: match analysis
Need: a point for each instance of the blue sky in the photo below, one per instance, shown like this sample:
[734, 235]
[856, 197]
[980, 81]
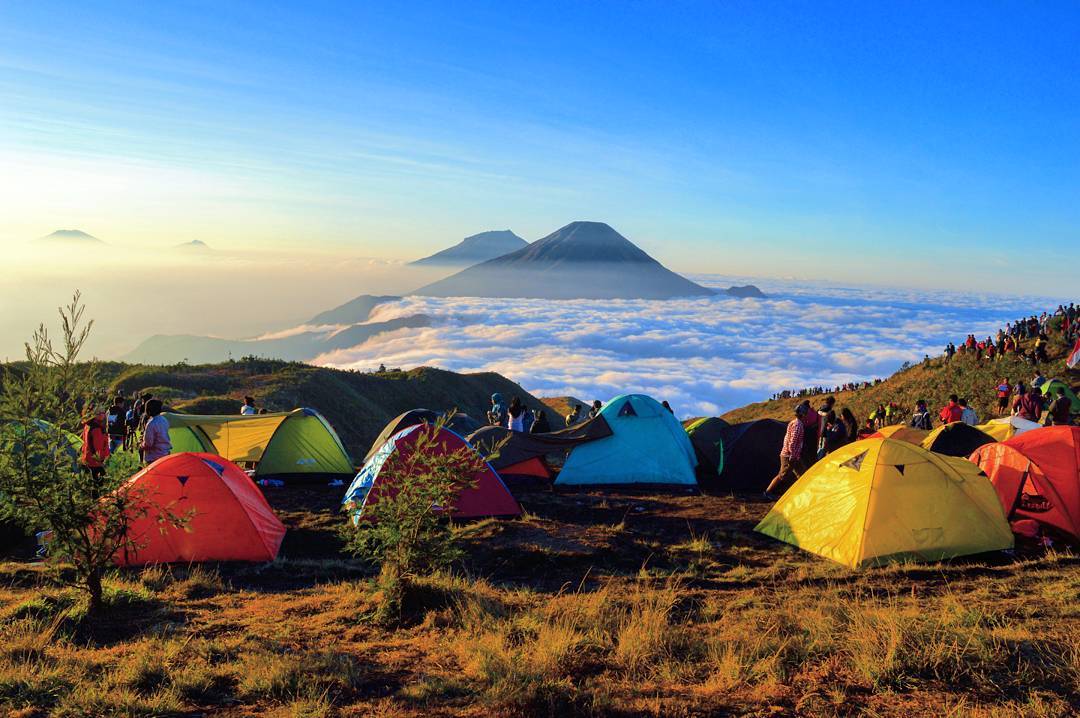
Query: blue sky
[887, 142]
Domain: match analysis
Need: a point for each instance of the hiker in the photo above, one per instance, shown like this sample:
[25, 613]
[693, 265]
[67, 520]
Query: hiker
[516, 416]
[497, 414]
[892, 414]
[812, 425]
[833, 437]
[878, 416]
[1059, 413]
[248, 409]
[155, 442]
[921, 419]
[1004, 392]
[527, 420]
[850, 424]
[951, 412]
[574, 416]
[790, 452]
[95, 448]
[540, 423]
[967, 414]
[597, 405]
[1028, 404]
[117, 423]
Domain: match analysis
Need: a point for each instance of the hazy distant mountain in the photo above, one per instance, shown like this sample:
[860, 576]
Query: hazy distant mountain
[195, 245]
[745, 291]
[173, 348]
[583, 260]
[72, 236]
[353, 311]
[475, 249]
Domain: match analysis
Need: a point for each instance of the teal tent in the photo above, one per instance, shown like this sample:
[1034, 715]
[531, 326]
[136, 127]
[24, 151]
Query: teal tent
[648, 446]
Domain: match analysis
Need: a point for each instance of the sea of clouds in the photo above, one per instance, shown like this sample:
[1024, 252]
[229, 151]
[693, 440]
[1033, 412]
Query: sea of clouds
[703, 355]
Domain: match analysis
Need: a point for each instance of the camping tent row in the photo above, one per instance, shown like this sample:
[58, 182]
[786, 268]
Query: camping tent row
[294, 445]
[633, 442]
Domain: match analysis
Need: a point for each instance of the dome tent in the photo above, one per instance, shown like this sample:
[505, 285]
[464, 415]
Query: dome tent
[648, 447]
[294, 445]
[460, 423]
[706, 435]
[882, 500]
[489, 496]
[955, 439]
[751, 454]
[1037, 477]
[1007, 427]
[901, 432]
[226, 516]
[1050, 391]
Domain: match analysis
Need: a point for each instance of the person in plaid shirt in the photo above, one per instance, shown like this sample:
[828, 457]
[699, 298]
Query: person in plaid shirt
[790, 462]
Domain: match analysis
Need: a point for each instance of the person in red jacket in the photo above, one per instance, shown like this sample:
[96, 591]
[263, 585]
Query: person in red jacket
[952, 411]
[95, 449]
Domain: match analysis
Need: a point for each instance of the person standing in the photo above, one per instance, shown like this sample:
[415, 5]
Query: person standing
[95, 448]
[850, 424]
[597, 407]
[967, 414]
[1060, 412]
[117, 422]
[574, 416]
[1028, 404]
[1004, 393]
[248, 409]
[155, 442]
[790, 453]
[951, 412]
[921, 419]
[540, 423]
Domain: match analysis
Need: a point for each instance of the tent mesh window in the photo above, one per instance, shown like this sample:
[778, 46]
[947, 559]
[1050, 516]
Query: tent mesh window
[627, 409]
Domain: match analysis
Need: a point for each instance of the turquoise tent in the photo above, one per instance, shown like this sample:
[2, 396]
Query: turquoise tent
[648, 446]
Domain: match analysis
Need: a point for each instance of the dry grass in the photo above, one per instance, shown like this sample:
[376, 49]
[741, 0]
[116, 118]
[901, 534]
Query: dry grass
[665, 621]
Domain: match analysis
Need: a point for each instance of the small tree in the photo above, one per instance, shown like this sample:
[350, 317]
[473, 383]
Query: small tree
[405, 527]
[42, 485]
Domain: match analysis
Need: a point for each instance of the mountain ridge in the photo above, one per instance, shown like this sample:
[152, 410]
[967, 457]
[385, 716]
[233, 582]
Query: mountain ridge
[474, 249]
[582, 260]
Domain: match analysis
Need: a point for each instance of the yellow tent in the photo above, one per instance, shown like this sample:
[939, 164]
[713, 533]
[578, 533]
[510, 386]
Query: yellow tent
[903, 432]
[882, 500]
[1007, 427]
[290, 444]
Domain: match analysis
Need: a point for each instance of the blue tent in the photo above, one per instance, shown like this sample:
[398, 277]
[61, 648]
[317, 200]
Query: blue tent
[648, 447]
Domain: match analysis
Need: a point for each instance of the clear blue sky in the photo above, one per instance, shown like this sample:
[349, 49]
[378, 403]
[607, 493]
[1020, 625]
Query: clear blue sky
[892, 141]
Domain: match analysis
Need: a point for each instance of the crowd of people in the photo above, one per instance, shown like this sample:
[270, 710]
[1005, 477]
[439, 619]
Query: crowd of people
[1064, 321]
[130, 423]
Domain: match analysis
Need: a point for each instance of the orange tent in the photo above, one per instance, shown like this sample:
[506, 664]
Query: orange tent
[1037, 477]
[227, 517]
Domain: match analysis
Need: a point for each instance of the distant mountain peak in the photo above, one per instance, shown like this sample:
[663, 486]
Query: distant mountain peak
[70, 235]
[582, 260]
[193, 244]
[474, 249]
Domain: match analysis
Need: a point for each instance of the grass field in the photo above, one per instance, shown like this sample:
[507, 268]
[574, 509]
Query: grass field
[592, 604]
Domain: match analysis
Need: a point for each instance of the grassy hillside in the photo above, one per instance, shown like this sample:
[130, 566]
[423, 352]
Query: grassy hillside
[358, 404]
[932, 380]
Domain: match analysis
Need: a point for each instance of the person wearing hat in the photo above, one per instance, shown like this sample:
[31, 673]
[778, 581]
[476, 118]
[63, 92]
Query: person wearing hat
[790, 452]
[95, 448]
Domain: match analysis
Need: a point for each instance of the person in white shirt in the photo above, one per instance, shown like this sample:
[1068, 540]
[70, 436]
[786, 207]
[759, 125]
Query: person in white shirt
[516, 416]
[155, 442]
[248, 409]
[968, 416]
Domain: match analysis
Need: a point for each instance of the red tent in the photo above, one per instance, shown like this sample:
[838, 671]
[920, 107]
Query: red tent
[227, 517]
[1037, 477]
[489, 497]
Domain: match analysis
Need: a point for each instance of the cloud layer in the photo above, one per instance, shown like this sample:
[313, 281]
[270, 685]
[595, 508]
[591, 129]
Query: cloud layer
[703, 355]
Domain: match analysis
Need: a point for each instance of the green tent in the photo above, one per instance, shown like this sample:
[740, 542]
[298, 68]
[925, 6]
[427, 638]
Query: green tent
[1050, 389]
[705, 435]
[648, 446]
[294, 445]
